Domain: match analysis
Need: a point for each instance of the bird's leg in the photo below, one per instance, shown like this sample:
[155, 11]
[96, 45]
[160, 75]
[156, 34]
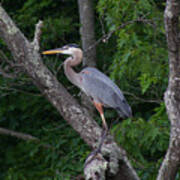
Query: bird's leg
[100, 110]
[104, 122]
[94, 153]
[105, 127]
[103, 136]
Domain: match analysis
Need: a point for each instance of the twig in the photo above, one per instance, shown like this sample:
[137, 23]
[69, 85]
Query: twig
[107, 36]
[26, 137]
[37, 35]
[18, 134]
[10, 66]
[3, 57]
[143, 100]
[14, 90]
[7, 75]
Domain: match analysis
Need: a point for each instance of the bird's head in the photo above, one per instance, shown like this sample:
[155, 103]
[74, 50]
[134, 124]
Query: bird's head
[69, 49]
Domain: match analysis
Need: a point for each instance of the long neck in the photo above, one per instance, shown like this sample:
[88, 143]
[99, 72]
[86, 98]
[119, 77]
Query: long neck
[69, 71]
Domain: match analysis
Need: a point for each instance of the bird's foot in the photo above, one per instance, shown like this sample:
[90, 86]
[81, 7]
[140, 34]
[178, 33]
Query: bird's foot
[103, 137]
[95, 152]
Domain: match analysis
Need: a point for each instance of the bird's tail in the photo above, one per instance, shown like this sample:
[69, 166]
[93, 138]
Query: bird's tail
[125, 112]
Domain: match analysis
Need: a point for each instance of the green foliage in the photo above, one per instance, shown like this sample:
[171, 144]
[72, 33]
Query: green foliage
[28, 160]
[145, 141]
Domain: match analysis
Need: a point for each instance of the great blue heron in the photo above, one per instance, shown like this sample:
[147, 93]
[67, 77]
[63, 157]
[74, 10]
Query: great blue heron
[102, 90]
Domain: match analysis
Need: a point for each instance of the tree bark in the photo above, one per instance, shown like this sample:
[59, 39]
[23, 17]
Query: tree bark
[26, 54]
[87, 31]
[171, 161]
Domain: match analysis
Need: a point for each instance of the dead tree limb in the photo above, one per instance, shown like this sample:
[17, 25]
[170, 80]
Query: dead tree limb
[19, 135]
[23, 136]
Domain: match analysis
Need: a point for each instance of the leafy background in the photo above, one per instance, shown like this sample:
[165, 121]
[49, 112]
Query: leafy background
[135, 57]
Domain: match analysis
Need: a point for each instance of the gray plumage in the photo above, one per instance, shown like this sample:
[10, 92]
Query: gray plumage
[103, 90]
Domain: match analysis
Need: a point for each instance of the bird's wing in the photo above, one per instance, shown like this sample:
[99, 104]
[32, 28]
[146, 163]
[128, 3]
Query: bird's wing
[97, 75]
[104, 90]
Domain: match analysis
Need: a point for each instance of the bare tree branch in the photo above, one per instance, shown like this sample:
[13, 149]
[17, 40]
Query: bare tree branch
[37, 36]
[157, 101]
[6, 75]
[18, 134]
[3, 57]
[171, 161]
[23, 136]
[10, 66]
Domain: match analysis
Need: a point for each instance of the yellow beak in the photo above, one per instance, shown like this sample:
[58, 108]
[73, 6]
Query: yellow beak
[53, 51]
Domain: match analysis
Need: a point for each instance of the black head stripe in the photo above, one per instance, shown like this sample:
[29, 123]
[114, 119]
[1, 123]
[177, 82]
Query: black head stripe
[73, 45]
